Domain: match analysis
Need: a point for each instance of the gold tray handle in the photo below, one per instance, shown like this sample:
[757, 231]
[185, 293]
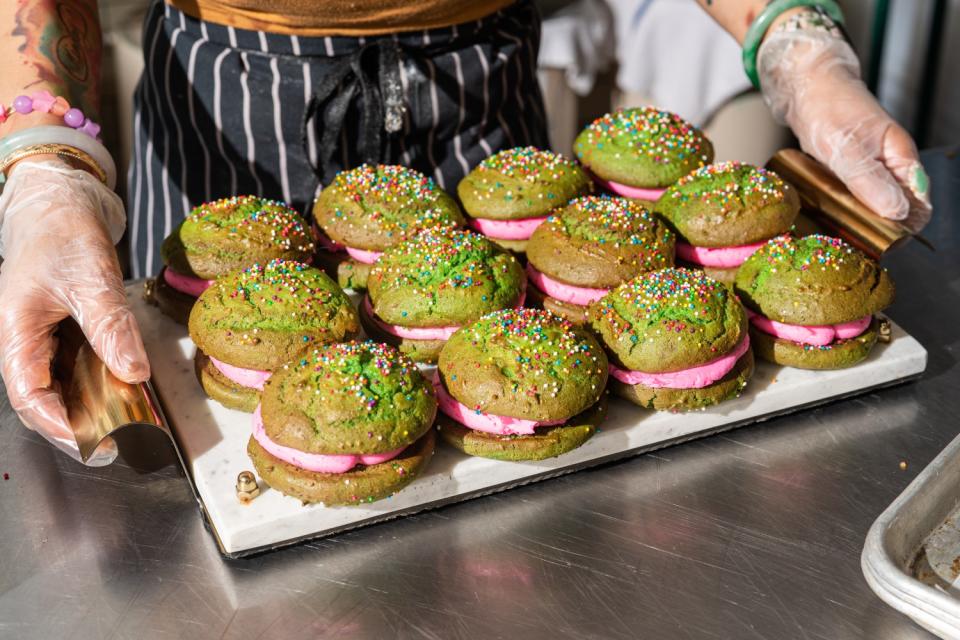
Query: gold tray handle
[98, 403]
[828, 202]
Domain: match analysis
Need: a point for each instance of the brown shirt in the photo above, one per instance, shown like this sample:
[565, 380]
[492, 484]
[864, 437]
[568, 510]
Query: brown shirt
[338, 17]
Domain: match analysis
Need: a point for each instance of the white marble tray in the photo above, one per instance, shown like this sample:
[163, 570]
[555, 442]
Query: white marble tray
[213, 439]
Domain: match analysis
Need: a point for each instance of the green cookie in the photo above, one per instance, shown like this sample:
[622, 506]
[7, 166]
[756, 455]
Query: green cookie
[663, 399]
[374, 207]
[837, 355]
[547, 442]
[642, 147]
[518, 247]
[814, 280]
[264, 316]
[600, 242]
[234, 233]
[348, 399]
[444, 278]
[729, 204]
[524, 182]
[353, 275]
[524, 363]
[440, 278]
[669, 320]
[222, 389]
[363, 484]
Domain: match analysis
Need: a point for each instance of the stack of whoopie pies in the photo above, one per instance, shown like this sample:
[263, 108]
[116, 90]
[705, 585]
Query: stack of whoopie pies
[220, 237]
[511, 193]
[366, 210]
[639, 152]
[252, 322]
[724, 212]
[812, 301]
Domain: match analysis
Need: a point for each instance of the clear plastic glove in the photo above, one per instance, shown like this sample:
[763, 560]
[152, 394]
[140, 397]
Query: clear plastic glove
[811, 81]
[59, 261]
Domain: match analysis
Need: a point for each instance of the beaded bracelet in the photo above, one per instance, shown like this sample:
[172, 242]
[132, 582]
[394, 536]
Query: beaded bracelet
[45, 102]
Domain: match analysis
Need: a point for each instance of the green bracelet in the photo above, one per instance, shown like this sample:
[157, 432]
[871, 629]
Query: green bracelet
[758, 29]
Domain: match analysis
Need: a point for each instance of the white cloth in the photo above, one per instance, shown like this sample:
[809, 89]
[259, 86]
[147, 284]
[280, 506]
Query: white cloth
[577, 39]
[669, 51]
[673, 52]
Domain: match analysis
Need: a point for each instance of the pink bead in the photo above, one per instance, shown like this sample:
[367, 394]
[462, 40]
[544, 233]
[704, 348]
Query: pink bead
[91, 128]
[59, 107]
[22, 104]
[3, 113]
[42, 101]
[74, 118]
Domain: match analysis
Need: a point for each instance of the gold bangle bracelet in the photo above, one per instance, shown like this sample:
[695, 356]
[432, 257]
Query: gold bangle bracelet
[61, 150]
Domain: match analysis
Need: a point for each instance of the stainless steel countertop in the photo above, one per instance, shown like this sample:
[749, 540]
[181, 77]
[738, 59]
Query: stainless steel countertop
[752, 534]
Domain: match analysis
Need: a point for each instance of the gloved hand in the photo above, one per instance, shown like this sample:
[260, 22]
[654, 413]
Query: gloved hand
[59, 261]
[811, 81]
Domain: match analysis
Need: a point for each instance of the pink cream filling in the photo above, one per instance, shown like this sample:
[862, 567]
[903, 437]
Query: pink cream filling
[329, 244]
[362, 255]
[186, 284]
[417, 333]
[412, 333]
[625, 190]
[562, 291]
[720, 257]
[316, 462]
[815, 335]
[249, 378]
[486, 422]
[507, 229]
[692, 378]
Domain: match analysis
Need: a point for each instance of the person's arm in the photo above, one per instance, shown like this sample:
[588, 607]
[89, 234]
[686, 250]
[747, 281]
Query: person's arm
[57, 223]
[810, 78]
[52, 45]
[736, 16]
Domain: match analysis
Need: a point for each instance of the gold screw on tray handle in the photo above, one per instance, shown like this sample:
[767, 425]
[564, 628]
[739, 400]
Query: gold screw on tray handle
[149, 291]
[886, 331]
[247, 487]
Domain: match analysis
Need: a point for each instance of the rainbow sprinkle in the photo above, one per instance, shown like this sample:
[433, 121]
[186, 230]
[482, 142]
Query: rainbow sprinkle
[726, 185]
[541, 344]
[438, 259]
[395, 200]
[817, 250]
[371, 372]
[661, 136]
[297, 287]
[530, 165]
[283, 226]
[675, 300]
[617, 223]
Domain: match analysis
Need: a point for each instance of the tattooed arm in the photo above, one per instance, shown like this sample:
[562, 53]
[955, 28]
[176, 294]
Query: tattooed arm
[736, 16]
[53, 45]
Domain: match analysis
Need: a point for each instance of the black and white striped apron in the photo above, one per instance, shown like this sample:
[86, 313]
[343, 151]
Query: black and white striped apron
[222, 111]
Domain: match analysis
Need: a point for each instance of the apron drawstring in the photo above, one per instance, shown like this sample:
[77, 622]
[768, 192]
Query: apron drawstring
[382, 105]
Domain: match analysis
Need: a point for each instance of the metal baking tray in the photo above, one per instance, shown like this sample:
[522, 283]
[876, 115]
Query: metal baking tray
[911, 557]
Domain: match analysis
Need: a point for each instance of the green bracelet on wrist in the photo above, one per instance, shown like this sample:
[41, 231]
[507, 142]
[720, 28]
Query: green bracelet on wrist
[758, 29]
